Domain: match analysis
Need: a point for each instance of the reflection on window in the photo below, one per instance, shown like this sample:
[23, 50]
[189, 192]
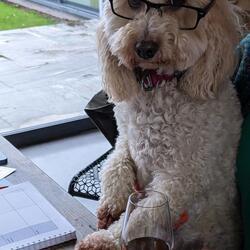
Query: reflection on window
[89, 3]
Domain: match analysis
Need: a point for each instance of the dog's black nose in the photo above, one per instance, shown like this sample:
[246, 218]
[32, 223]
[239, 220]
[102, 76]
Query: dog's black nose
[146, 49]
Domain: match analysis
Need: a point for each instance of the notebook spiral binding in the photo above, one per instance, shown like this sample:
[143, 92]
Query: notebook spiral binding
[47, 242]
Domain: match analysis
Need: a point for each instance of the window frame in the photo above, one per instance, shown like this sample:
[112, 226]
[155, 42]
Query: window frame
[70, 7]
[49, 131]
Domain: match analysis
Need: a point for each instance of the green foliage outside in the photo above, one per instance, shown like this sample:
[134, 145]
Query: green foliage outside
[13, 17]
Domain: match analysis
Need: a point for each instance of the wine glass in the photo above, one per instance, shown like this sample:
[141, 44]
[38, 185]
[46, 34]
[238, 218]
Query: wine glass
[147, 223]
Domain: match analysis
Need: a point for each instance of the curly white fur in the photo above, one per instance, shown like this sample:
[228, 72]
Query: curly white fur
[180, 139]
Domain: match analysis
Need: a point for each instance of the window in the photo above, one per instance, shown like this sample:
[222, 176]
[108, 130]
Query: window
[49, 72]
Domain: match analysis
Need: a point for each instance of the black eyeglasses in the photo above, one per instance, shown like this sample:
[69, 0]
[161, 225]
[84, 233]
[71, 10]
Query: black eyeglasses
[188, 16]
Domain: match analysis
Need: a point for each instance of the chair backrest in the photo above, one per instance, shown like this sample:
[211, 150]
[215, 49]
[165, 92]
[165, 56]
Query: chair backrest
[101, 113]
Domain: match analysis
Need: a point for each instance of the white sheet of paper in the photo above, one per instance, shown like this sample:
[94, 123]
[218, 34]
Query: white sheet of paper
[5, 171]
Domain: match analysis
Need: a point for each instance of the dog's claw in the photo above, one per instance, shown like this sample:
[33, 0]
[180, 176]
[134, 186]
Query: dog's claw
[105, 218]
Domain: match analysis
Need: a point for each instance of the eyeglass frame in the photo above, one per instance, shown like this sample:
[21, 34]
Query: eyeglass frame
[201, 12]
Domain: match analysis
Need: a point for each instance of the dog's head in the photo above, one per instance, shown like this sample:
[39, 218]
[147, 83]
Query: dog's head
[161, 39]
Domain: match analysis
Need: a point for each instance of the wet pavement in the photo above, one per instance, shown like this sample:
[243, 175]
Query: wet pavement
[47, 73]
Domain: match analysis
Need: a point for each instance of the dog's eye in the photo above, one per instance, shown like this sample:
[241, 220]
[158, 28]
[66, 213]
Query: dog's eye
[135, 4]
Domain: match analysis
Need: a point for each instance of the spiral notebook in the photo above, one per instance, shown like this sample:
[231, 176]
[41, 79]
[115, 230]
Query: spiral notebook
[29, 221]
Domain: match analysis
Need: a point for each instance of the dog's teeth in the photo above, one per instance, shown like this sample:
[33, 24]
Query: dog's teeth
[160, 83]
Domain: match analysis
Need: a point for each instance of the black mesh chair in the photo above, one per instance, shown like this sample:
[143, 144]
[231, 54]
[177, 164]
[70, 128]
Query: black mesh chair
[86, 183]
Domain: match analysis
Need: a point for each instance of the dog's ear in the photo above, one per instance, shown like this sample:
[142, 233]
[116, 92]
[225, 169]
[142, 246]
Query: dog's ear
[217, 65]
[242, 7]
[203, 80]
[118, 82]
[244, 4]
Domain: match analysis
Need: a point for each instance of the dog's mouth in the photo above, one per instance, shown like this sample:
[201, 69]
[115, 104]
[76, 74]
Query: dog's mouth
[151, 78]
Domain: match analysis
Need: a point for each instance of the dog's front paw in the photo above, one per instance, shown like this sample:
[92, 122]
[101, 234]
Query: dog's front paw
[107, 214]
[96, 241]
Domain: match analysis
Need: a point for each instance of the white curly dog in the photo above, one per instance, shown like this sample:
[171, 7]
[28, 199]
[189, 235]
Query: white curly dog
[167, 66]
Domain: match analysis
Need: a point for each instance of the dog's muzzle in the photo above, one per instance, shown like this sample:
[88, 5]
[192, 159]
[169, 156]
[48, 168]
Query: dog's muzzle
[150, 79]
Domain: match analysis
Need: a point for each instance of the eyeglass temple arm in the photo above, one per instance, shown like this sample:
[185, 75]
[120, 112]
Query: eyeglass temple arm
[209, 6]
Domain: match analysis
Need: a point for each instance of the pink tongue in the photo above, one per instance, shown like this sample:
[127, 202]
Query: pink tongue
[157, 79]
